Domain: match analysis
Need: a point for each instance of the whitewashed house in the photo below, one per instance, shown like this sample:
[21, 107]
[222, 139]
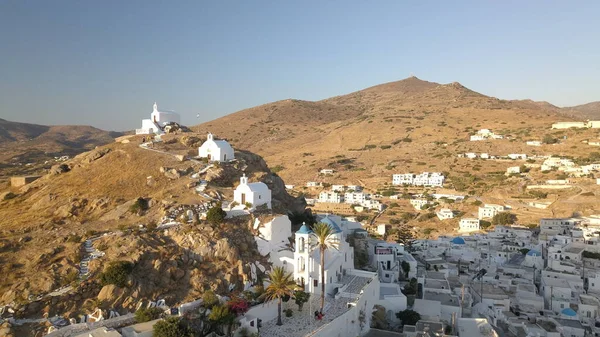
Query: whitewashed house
[513, 169]
[515, 156]
[568, 125]
[485, 134]
[327, 171]
[331, 197]
[355, 197]
[157, 122]
[419, 203]
[468, 225]
[489, 210]
[256, 194]
[534, 143]
[445, 213]
[216, 150]
[435, 179]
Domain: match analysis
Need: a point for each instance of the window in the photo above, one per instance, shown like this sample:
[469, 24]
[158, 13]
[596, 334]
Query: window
[316, 283]
[259, 196]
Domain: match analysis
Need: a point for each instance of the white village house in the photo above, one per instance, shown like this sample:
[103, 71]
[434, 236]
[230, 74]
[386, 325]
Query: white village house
[157, 122]
[216, 150]
[254, 193]
[468, 225]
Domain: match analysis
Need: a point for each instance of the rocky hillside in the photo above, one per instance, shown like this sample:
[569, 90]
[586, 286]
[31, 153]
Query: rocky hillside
[43, 226]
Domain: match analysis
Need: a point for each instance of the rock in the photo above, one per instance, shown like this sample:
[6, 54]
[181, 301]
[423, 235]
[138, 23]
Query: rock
[96, 154]
[172, 174]
[190, 141]
[162, 169]
[59, 169]
[110, 293]
[180, 157]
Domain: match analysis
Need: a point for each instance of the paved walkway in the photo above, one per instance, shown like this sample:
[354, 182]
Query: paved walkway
[304, 322]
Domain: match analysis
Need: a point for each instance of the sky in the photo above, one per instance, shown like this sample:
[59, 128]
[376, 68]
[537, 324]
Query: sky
[104, 63]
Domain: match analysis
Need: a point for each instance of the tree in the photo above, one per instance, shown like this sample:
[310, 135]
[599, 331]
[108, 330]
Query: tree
[325, 239]
[170, 327]
[504, 218]
[408, 317]
[524, 251]
[216, 215]
[147, 314]
[405, 237]
[237, 306]
[209, 299]
[301, 297]
[405, 268]
[117, 273]
[282, 285]
[411, 287]
[221, 316]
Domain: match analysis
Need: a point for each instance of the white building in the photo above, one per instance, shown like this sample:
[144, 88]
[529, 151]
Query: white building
[327, 171]
[331, 197]
[216, 150]
[423, 179]
[158, 120]
[556, 162]
[418, 203]
[515, 156]
[485, 134]
[355, 197]
[468, 225]
[445, 213]
[254, 193]
[513, 169]
[489, 210]
[568, 125]
[534, 143]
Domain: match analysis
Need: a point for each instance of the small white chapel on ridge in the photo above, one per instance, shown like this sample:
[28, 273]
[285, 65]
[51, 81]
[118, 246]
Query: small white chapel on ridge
[254, 193]
[216, 150]
[158, 120]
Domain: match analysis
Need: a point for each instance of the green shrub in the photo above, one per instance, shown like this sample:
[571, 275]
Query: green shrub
[216, 215]
[139, 205]
[289, 313]
[147, 314]
[117, 273]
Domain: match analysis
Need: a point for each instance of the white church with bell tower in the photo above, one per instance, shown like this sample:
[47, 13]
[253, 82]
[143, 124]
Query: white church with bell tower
[157, 122]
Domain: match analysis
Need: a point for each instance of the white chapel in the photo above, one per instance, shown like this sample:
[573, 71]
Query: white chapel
[254, 193]
[216, 150]
[158, 120]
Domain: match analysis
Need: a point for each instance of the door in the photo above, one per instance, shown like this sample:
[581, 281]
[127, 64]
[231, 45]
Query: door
[208, 156]
[243, 198]
[224, 157]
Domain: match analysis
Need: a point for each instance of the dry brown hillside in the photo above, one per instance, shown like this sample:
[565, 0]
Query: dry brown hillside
[585, 111]
[23, 143]
[389, 128]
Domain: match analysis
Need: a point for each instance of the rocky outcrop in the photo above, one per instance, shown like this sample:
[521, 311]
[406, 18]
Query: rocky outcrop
[59, 169]
[96, 154]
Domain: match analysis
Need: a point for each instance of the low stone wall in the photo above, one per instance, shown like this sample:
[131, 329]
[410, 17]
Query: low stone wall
[549, 187]
[73, 329]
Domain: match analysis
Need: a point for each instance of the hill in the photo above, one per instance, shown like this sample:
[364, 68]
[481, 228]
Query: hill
[43, 226]
[32, 144]
[398, 124]
[585, 111]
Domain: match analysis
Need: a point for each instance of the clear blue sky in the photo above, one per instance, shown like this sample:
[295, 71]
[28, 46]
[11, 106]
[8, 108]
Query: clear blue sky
[105, 62]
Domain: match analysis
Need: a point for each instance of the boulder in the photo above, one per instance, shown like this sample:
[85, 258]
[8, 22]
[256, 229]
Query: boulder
[172, 174]
[96, 154]
[59, 169]
[110, 293]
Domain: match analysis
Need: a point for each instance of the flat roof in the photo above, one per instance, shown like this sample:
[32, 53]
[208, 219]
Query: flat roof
[569, 322]
[443, 298]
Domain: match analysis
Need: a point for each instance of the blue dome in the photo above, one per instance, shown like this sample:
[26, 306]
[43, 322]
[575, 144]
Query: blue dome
[334, 227]
[304, 229]
[568, 312]
[534, 252]
[458, 241]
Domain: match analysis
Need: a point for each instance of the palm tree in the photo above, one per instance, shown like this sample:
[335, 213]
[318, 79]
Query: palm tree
[325, 239]
[282, 285]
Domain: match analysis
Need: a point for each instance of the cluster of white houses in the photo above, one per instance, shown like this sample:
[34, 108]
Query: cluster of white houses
[434, 179]
[511, 156]
[354, 198]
